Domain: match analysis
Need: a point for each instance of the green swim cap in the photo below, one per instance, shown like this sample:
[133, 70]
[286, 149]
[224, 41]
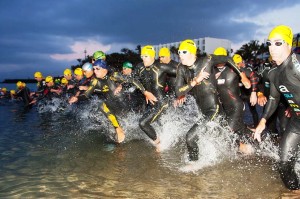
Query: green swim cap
[99, 55]
[127, 64]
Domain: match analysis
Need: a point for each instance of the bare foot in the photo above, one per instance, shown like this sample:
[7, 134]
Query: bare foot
[120, 136]
[246, 149]
[157, 145]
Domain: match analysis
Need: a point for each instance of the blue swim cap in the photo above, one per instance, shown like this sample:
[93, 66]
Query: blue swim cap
[87, 67]
[101, 63]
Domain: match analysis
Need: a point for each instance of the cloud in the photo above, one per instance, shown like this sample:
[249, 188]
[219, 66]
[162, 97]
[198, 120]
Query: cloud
[79, 48]
[271, 18]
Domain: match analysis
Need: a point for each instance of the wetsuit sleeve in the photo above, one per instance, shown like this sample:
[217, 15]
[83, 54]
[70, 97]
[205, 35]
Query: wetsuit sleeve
[217, 59]
[87, 94]
[253, 77]
[181, 88]
[128, 79]
[272, 103]
[169, 69]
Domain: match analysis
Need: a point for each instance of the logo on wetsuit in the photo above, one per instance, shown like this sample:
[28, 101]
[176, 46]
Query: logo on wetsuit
[288, 96]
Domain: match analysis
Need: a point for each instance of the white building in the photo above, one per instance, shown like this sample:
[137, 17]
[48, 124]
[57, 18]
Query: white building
[206, 45]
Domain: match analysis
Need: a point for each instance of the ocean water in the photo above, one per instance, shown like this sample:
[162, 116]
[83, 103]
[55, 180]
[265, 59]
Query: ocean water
[62, 151]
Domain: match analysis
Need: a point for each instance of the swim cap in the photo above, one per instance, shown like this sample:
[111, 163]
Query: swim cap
[64, 81]
[127, 64]
[23, 84]
[188, 45]
[38, 75]
[3, 89]
[237, 58]
[78, 71]
[220, 51]
[87, 67]
[282, 32]
[19, 84]
[49, 79]
[148, 50]
[68, 72]
[99, 55]
[164, 52]
[13, 92]
[101, 63]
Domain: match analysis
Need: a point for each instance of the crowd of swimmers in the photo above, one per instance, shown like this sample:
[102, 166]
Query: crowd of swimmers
[221, 86]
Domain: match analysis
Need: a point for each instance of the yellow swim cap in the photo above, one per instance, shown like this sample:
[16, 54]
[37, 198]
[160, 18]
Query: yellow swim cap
[64, 81]
[24, 84]
[220, 51]
[282, 32]
[3, 89]
[13, 92]
[19, 84]
[38, 75]
[237, 58]
[68, 72]
[188, 45]
[49, 79]
[164, 52]
[148, 50]
[78, 71]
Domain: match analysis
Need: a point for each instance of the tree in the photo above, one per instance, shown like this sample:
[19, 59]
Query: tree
[250, 50]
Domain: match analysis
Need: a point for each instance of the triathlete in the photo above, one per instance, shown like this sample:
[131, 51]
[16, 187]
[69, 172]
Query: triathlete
[193, 78]
[153, 76]
[165, 58]
[285, 80]
[105, 85]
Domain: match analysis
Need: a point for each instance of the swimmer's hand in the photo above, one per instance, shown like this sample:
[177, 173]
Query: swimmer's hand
[200, 77]
[83, 88]
[118, 90]
[253, 98]
[259, 129]
[73, 100]
[179, 101]
[261, 99]
[150, 97]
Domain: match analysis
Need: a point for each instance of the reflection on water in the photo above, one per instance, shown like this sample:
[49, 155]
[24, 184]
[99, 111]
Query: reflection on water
[69, 154]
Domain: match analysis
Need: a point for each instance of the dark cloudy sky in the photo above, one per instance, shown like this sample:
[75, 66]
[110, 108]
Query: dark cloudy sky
[50, 35]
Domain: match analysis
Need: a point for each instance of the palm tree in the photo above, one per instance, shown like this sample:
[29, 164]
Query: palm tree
[250, 50]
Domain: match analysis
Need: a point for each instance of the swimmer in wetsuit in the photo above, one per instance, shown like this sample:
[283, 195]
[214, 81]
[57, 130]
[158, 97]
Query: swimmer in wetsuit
[41, 84]
[285, 80]
[193, 76]
[165, 58]
[24, 93]
[232, 103]
[249, 96]
[105, 85]
[153, 76]
[282, 112]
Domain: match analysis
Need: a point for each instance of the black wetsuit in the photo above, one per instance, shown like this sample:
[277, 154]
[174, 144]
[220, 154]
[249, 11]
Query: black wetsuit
[282, 106]
[47, 94]
[133, 97]
[171, 80]
[285, 79]
[245, 93]
[24, 93]
[205, 94]
[105, 88]
[233, 106]
[72, 91]
[153, 79]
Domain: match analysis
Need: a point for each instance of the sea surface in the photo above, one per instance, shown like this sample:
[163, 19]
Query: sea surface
[56, 150]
